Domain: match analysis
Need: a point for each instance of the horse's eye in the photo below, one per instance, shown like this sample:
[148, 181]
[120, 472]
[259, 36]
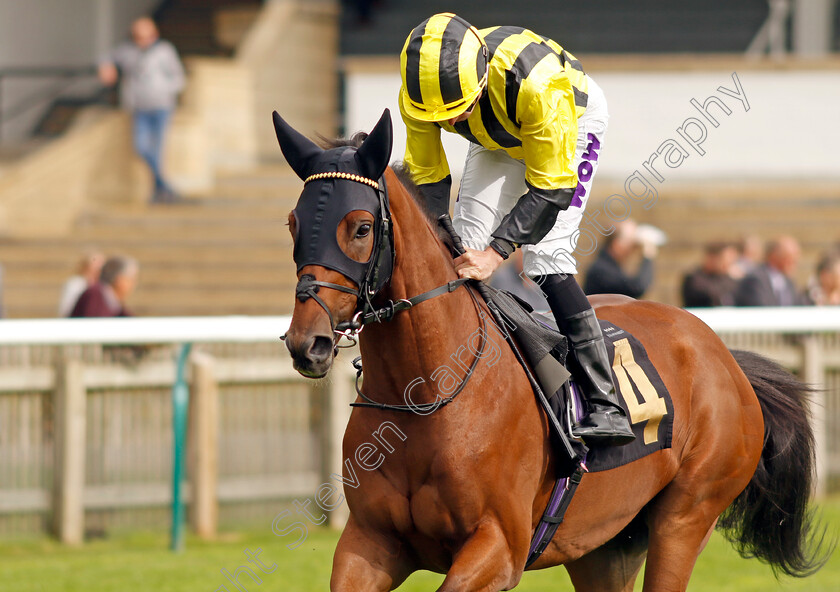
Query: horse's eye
[363, 231]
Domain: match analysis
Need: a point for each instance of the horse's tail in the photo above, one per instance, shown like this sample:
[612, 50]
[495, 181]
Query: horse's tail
[770, 519]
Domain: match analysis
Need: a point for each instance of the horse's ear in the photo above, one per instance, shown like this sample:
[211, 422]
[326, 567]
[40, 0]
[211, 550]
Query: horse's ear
[297, 148]
[373, 155]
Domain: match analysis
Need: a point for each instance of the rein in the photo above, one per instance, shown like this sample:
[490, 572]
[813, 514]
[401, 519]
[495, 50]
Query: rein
[387, 312]
[427, 408]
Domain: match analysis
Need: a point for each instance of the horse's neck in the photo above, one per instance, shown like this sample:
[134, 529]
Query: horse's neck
[417, 342]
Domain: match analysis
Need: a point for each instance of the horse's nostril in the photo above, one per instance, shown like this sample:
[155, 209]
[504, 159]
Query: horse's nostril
[321, 348]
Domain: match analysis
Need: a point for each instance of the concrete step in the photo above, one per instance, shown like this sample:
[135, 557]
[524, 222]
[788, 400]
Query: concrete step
[245, 231]
[149, 292]
[152, 300]
[155, 299]
[53, 276]
[202, 307]
[265, 182]
[197, 250]
[196, 210]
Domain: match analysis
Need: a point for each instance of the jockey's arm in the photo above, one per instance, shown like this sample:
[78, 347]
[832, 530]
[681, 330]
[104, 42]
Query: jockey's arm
[549, 134]
[426, 160]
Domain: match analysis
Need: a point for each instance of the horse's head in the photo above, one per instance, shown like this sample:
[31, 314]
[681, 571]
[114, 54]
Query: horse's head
[343, 246]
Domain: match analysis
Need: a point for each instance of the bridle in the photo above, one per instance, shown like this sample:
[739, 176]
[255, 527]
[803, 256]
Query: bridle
[379, 268]
[377, 274]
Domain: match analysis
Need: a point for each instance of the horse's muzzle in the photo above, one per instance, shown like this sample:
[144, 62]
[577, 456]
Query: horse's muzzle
[311, 356]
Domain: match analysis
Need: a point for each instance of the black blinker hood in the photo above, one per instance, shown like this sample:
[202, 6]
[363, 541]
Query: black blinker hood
[326, 200]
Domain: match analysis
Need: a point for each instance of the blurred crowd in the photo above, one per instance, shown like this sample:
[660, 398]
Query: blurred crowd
[745, 274]
[99, 288]
[624, 264]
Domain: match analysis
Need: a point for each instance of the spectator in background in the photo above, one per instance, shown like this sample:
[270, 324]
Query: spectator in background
[87, 273]
[152, 76]
[1, 292]
[712, 283]
[750, 252]
[771, 283]
[107, 297]
[825, 288]
[607, 273]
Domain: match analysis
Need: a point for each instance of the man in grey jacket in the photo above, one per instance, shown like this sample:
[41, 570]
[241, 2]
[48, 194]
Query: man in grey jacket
[152, 76]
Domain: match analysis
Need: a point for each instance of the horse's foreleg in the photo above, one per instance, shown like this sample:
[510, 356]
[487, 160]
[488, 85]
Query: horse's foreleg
[365, 561]
[485, 563]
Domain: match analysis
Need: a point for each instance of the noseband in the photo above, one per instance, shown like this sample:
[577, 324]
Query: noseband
[308, 287]
[372, 277]
[376, 274]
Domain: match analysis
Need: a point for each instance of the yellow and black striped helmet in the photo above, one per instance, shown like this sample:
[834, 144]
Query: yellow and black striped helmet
[444, 68]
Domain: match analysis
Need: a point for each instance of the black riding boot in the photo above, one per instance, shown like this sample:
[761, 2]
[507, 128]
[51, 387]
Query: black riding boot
[605, 423]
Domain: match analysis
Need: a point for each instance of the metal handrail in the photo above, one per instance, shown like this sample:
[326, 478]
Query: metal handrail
[68, 74]
[47, 71]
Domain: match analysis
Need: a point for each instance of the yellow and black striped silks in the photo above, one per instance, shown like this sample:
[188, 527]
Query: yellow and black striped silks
[444, 68]
[535, 93]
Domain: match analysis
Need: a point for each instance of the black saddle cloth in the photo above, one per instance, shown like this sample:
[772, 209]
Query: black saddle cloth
[642, 393]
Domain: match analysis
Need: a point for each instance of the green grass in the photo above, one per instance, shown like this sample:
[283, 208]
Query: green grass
[142, 562]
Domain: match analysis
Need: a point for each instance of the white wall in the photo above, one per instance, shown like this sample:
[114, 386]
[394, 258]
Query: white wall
[791, 131]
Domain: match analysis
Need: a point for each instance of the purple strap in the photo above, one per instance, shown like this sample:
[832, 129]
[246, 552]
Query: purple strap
[560, 486]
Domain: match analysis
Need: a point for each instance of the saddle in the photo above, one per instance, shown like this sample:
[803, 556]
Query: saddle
[643, 397]
[544, 349]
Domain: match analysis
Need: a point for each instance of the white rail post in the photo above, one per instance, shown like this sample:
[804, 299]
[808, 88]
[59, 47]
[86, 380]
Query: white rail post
[70, 404]
[813, 371]
[203, 454]
[336, 396]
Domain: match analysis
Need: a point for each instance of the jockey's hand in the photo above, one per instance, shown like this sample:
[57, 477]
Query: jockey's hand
[478, 265]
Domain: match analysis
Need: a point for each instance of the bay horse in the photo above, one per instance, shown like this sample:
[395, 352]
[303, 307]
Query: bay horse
[465, 484]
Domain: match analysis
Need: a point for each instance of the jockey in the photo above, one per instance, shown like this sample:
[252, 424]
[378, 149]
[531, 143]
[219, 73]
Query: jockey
[535, 123]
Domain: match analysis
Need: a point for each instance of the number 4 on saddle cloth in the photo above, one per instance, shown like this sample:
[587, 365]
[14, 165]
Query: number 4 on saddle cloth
[643, 397]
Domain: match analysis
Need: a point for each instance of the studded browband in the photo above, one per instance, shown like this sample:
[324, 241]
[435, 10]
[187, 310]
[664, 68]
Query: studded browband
[345, 176]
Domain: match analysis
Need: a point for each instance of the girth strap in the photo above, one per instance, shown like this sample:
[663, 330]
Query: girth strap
[552, 518]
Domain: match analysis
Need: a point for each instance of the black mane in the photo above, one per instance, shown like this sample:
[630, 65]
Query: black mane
[353, 142]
